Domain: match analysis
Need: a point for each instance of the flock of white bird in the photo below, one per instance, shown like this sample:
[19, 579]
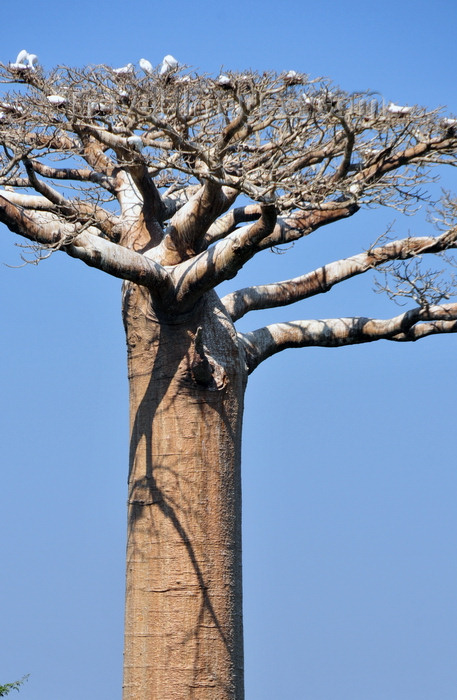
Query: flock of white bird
[29, 61]
[25, 60]
[168, 65]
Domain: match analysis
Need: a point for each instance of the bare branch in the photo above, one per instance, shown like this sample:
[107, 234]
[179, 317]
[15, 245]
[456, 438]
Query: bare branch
[84, 245]
[233, 129]
[78, 174]
[154, 207]
[46, 190]
[28, 201]
[121, 262]
[324, 278]
[335, 332]
[84, 212]
[343, 168]
[410, 280]
[294, 227]
[93, 153]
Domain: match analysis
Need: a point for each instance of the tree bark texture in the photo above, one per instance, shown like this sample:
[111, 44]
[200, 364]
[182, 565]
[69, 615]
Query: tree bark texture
[187, 373]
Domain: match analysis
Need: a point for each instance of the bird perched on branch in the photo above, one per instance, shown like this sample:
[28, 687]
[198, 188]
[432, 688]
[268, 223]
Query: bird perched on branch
[22, 56]
[32, 60]
[25, 60]
[292, 78]
[398, 109]
[126, 69]
[449, 124]
[224, 82]
[310, 102]
[449, 121]
[136, 142]
[146, 66]
[169, 63]
[57, 100]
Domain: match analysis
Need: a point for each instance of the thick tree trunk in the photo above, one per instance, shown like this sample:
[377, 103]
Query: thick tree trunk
[183, 626]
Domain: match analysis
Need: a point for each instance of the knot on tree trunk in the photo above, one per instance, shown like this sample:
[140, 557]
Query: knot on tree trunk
[206, 372]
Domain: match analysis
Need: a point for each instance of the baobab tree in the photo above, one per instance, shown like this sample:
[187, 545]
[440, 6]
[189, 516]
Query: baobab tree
[172, 181]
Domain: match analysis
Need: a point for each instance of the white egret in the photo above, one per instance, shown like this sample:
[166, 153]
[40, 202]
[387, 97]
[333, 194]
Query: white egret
[136, 142]
[169, 63]
[146, 66]
[398, 109]
[32, 59]
[9, 107]
[310, 102]
[57, 100]
[18, 66]
[370, 152]
[125, 69]
[224, 82]
[22, 56]
[292, 78]
[330, 100]
[99, 109]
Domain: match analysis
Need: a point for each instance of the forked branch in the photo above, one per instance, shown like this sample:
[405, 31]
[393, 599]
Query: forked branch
[189, 225]
[223, 260]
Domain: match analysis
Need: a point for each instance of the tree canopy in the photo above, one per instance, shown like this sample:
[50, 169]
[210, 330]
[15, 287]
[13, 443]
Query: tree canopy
[137, 172]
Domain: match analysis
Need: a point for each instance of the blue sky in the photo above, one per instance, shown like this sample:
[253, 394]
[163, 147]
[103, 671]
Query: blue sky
[349, 477]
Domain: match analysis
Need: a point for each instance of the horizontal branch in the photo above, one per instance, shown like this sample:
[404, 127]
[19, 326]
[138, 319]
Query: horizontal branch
[28, 201]
[319, 281]
[78, 174]
[120, 144]
[57, 141]
[334, 332]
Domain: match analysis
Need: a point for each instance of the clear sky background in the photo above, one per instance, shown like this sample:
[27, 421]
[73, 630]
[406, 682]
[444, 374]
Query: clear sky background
[349, 474]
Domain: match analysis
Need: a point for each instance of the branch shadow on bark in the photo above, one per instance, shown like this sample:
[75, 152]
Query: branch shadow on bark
[158, 498]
